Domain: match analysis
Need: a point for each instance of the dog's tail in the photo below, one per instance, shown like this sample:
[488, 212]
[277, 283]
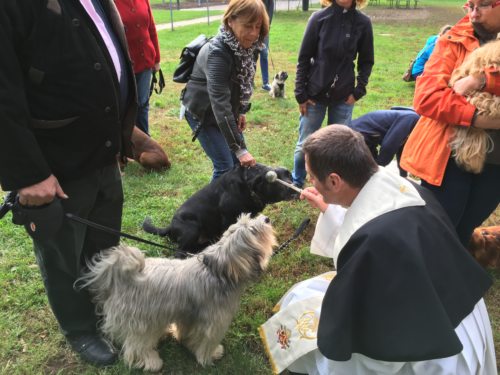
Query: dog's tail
[148, 227]
[109, 269]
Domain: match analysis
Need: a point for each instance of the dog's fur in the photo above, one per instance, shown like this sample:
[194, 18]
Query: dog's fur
[202, 219]
[148, 152]
[278, 85]
[485, 246]
[470, 145]
[141, 298]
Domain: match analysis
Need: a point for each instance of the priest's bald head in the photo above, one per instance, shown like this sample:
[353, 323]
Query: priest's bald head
[338, 162]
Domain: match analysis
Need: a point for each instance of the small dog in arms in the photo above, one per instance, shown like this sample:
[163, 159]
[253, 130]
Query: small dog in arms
[278, 85]
[195, 299]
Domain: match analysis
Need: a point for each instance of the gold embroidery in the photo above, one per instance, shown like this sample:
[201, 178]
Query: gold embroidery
[307, 325]
[403, 188]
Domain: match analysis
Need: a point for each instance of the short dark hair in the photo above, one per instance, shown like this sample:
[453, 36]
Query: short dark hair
[341, 150]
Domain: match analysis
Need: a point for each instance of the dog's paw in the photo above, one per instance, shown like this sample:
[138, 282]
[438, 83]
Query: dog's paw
[218, 352]
[152, 362]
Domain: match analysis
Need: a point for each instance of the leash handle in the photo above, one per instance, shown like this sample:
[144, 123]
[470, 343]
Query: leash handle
[112, 231]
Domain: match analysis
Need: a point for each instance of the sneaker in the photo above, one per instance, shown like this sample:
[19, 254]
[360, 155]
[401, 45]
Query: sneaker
[266, 87]
[93, 349]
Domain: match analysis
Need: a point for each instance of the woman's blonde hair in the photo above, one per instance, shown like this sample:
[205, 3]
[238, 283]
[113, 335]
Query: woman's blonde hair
[248, 11]
[360, 4]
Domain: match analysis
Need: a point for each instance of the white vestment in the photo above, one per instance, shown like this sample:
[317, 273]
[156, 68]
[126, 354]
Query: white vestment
[290, 335]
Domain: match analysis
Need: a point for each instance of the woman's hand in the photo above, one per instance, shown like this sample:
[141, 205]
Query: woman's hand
[247, 160]
[242, 122]
[156, 67]
[465, 86]
[42, 193]
[303, 106]
[350, 100]
[314, 198]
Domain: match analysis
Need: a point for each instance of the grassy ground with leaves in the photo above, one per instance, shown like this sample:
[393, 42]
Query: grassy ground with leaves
[31, 341]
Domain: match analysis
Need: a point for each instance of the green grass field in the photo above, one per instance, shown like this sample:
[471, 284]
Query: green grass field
[31, 341]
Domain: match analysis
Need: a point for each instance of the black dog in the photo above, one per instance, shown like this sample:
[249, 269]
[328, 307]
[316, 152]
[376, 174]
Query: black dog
[203, 218]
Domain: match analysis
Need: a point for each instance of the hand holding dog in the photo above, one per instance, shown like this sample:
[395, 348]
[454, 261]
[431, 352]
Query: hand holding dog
[41, 193]
[465, 86]
[314, 198]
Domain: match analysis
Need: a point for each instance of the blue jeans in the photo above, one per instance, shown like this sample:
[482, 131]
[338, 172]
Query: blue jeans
[264, 65]
[143, 80]
[338, 113]
[468, 198]
[214, 144]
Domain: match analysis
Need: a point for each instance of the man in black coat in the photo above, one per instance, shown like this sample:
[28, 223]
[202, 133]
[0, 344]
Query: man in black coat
[407, 295]
[67, 109]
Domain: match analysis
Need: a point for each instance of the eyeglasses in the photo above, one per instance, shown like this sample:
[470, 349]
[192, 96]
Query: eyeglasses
[470, 7]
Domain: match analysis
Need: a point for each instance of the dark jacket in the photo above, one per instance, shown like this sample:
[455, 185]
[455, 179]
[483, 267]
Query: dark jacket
[60, 107]
[332, 41]
[388, 129]
[212, 93]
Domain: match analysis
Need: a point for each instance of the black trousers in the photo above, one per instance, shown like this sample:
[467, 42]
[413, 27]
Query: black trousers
[97, 197]
[468, 198]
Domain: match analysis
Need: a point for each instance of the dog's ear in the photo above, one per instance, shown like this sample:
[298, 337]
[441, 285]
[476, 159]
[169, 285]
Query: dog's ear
[277, 76]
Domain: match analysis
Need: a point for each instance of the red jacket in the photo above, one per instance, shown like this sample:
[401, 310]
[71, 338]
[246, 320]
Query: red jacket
[141, 33]
[426, 152]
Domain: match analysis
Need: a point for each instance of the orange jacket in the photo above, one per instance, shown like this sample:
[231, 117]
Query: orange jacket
[426, 152]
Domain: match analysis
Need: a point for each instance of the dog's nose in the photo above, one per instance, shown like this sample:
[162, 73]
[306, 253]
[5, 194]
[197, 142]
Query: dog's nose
[267, 220]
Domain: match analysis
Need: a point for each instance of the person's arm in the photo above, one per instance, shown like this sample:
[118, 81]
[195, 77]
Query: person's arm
[22, 163]
[487, 81]
[308, 50]
[423, 56]
[365, 63]
[433, 97]
[154, 37]
[218, 72]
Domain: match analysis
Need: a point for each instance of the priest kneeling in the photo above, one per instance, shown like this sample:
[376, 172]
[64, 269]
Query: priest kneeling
[407, 297]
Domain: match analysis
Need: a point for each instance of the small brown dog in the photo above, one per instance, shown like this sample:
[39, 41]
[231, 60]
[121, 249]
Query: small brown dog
[470, 145]
[147, 152]
[485, 246]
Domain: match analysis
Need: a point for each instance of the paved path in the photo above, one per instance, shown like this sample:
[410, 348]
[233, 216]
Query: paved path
[280, 5]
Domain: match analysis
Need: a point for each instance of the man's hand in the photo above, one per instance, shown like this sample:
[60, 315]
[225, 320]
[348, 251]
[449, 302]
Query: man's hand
[314, 198]
[247, 160]
[42, 193]
[303, 106]
[156, 67]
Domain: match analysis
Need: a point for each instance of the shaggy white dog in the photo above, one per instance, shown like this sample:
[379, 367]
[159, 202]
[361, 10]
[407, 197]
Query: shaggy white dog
[196, 298]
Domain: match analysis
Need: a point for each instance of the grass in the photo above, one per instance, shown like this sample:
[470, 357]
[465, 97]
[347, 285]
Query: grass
[31, 343]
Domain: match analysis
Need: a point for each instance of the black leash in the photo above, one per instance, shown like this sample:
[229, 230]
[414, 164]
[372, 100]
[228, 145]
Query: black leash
[112, 231]
[297, 233]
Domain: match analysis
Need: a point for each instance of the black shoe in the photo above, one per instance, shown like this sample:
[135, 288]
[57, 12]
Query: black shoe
[93, 349]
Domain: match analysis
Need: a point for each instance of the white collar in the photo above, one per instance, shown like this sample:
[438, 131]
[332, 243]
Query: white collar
[384, 192]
